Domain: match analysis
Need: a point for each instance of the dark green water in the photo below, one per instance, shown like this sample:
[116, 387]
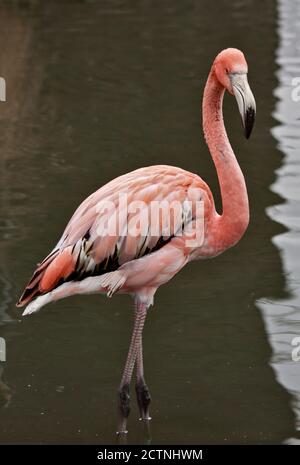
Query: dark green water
[94, 90]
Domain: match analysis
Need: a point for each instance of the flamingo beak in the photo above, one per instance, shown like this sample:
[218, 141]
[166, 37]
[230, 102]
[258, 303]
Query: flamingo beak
[245, 100]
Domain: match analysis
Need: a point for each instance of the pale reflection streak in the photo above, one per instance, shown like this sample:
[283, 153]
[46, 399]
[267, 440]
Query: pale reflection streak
[282, 317]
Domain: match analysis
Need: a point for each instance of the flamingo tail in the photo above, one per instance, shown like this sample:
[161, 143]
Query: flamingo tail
[48, 275]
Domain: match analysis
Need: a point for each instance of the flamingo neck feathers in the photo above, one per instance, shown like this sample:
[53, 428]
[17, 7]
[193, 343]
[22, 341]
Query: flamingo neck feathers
[232, 223]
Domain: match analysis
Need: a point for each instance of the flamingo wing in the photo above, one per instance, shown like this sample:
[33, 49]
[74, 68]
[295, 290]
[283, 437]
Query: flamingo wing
[96, 239]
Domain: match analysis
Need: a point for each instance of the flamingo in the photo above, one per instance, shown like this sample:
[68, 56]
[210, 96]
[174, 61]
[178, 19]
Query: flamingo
[87, 259]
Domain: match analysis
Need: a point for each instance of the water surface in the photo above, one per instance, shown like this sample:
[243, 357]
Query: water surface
[95, 89]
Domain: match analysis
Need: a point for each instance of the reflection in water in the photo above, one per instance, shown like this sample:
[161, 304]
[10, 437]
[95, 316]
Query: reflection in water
[282, 317]
[14, 59]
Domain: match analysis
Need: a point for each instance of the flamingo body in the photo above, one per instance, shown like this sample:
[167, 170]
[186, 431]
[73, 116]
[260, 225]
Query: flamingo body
[144, 262]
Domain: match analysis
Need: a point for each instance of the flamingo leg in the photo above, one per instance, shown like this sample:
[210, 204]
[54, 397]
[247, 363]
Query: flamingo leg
[123, 392]
[141, 388]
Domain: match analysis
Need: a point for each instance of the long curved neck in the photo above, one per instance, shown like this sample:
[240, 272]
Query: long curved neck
[234, 219]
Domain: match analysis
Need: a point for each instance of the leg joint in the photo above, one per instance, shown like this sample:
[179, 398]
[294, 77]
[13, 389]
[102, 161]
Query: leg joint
[143, 394]
[124, 400]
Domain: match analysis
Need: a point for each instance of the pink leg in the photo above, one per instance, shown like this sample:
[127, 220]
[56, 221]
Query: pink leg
[141, 388]
[123, 392]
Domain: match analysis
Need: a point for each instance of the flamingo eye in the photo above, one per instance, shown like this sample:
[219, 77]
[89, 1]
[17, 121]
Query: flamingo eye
[227, 70]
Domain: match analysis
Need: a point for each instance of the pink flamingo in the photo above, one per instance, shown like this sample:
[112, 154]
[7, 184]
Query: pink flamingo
[86, 260]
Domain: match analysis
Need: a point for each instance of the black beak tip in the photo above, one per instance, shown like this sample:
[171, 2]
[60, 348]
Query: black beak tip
[249, 121]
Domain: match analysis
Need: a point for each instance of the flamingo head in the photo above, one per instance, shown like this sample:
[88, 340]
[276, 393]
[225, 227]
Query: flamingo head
[230, 68]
